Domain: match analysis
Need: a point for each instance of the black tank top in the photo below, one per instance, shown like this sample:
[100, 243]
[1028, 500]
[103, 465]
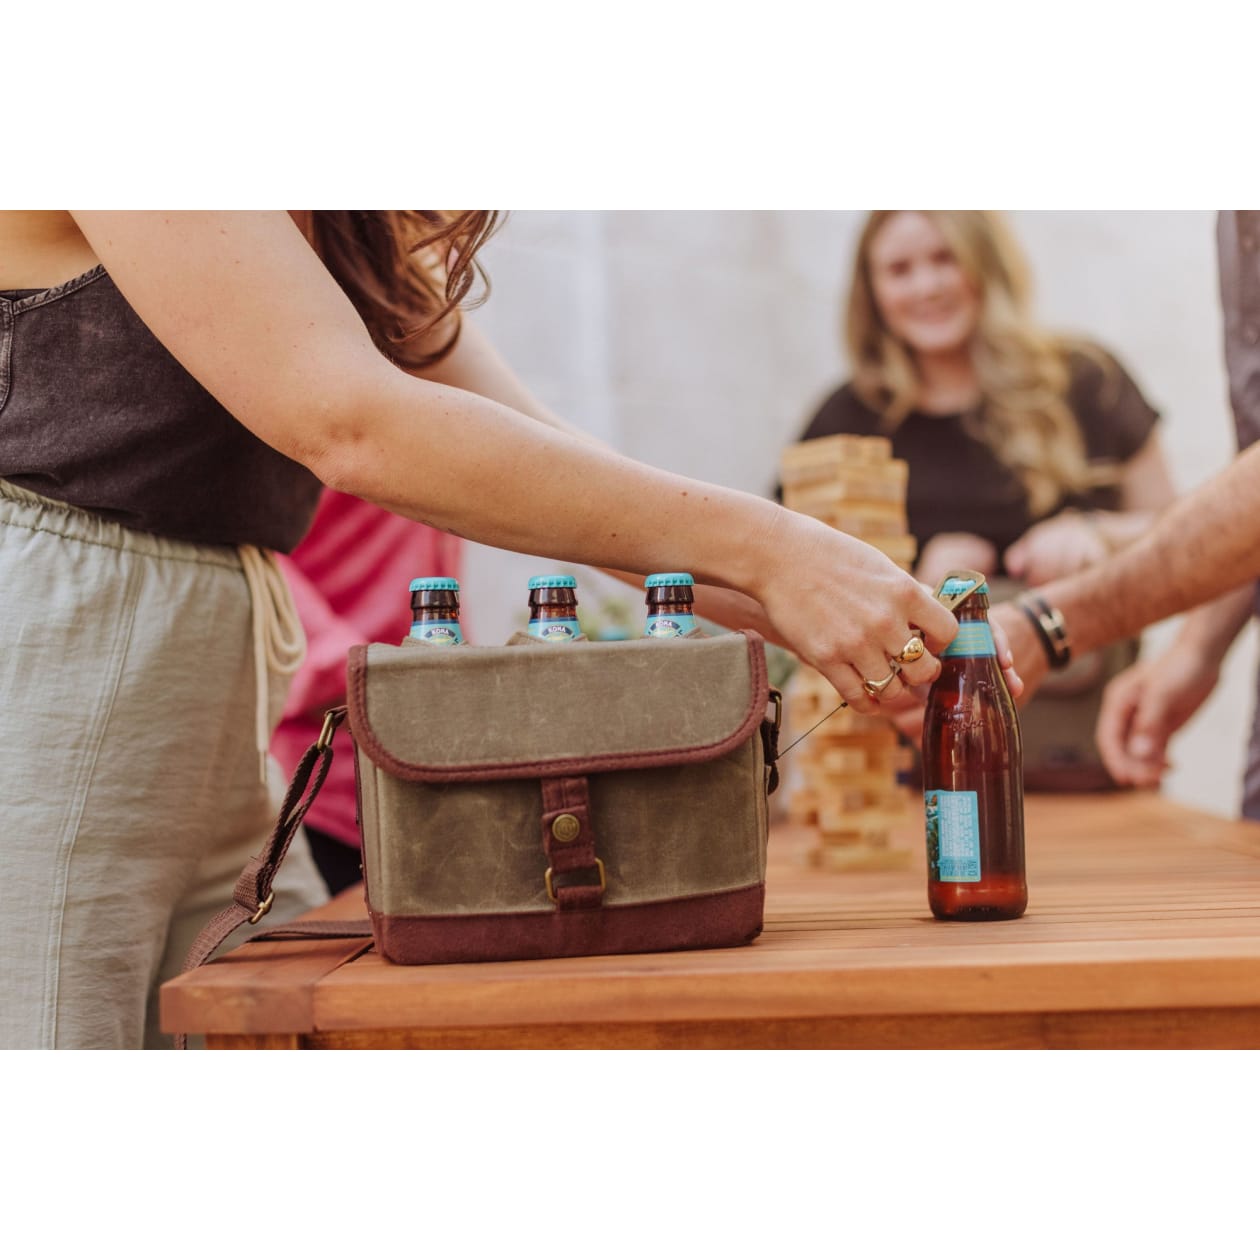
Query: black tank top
[97, 413]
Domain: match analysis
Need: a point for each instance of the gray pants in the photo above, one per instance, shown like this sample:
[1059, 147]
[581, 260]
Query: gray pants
[130, 787]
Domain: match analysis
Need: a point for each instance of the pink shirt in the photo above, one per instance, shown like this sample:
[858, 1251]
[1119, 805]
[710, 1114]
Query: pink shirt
[349, 576]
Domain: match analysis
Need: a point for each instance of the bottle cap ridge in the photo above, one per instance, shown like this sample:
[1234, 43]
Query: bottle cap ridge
[552, 579]
[434, 584]
[669, 579]
[952, 586]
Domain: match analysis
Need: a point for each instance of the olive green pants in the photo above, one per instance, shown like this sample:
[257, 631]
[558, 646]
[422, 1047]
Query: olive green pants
[130, 785]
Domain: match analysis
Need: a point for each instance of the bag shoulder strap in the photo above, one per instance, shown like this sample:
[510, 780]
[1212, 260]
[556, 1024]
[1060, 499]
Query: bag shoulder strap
[253, 895]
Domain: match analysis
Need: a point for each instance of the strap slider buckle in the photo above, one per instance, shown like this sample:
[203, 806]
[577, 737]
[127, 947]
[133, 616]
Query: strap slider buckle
[263, 907]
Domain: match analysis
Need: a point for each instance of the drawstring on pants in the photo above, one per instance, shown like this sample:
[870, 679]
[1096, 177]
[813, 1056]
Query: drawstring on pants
[279, 640]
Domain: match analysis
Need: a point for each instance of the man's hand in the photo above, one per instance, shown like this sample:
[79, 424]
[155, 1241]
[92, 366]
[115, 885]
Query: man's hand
[1143, 707]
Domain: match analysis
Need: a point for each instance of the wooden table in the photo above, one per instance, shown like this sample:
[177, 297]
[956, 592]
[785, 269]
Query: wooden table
[1143, 930]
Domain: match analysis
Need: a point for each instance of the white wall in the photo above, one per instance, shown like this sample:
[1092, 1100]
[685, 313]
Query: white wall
[700, 341]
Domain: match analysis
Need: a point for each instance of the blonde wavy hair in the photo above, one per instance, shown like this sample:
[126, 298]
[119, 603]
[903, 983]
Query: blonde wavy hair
[1022, 371]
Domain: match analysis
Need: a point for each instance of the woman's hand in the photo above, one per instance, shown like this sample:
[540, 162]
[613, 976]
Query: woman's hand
[1055, 548]
[850, 612]
[944, 552]
[906, 710]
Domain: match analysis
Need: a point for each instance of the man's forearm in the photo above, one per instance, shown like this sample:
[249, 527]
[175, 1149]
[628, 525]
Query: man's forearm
[1205, 544]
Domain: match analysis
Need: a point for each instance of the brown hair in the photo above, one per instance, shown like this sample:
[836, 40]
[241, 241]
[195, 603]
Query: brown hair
[407, 272]
[1024, 415]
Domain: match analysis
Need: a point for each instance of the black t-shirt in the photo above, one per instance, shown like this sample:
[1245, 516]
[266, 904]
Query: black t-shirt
[957, 484]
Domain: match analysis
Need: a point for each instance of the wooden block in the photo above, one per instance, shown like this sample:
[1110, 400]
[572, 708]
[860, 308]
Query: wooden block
[868, 523]
[901, 550]
[843, 761]
[881, 741]
[854, 489]
[820, 458]
[835, 800]
[879, 785]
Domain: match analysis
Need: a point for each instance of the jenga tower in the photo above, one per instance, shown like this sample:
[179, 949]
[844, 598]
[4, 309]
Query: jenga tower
[849, 764]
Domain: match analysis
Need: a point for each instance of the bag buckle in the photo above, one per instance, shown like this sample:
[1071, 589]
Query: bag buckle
[551, 891]
[333, 718]
[263, 907]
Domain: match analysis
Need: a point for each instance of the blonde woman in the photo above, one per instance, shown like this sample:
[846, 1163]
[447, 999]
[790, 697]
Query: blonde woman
[1030, 455]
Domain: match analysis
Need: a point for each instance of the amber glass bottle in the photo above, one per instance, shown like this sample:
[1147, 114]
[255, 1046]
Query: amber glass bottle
[435, 611]
[670, 606]
[553, 605]
[973, 777]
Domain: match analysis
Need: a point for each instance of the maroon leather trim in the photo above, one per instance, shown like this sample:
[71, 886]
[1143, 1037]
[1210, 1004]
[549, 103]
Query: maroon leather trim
[365, 737]
[576, 855]
[707, 921]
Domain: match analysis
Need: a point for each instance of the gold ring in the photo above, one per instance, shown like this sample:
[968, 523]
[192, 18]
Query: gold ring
[911, 652]
[877, 689]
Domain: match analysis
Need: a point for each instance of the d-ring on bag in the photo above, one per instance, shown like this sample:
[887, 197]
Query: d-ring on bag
[539, 801]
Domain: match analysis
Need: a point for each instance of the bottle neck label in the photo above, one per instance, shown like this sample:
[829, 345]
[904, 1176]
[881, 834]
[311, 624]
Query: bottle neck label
[974, 638]
[669, 626]
[556, 629]
[440, 633]
[953, 836]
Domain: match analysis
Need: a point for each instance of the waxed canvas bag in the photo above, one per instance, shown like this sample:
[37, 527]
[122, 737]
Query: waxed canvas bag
[536, 800]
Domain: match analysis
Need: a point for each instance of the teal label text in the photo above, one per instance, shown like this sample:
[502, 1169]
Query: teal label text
[974, 638]
[440, 633]
[953, 836]
[669, 626]
[561, 630]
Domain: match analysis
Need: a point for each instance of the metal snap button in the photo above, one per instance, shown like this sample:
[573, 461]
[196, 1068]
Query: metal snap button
[565, 827]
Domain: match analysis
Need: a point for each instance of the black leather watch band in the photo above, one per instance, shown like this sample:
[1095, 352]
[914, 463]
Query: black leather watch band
[1051, 630]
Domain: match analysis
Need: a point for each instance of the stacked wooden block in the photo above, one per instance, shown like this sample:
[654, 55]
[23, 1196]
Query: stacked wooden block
[848, 767]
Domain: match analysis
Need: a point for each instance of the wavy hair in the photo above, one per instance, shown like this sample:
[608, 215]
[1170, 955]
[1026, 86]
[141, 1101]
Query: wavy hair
[1023, 373]
[407, 272]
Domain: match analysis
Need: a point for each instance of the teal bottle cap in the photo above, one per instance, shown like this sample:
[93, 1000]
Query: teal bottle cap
[552, 579]
[434, 584]
[955, 586]
[669, 579]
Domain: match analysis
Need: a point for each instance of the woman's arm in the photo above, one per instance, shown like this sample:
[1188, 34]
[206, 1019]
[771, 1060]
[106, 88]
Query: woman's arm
[474, 364]
[242, 301]
[1146, 489]
[1072, 540]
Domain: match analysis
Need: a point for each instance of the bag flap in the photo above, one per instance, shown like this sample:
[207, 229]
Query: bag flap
[465, 713]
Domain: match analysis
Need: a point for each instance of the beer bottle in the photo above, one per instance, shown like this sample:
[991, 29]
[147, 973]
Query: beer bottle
[435, 611]
[670, 602]
[973, 775]
[553, 608]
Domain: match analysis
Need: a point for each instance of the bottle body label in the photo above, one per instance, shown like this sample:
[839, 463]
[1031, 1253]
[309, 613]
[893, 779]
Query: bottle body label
[974, 638]
[441, 633]
[556, 629]
[953, 836]
[669, 626]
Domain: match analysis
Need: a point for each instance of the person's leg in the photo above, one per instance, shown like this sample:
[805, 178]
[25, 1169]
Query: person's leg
[340, 864]
[126, 756]
[1251, 774]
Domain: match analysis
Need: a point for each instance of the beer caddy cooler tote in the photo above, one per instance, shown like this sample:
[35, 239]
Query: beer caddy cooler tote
[524, 802]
